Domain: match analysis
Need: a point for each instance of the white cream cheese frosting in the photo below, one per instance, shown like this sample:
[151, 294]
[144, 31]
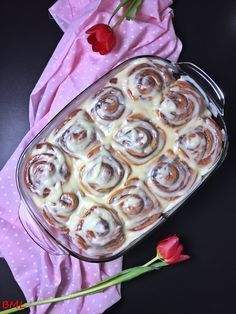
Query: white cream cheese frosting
[130, 152]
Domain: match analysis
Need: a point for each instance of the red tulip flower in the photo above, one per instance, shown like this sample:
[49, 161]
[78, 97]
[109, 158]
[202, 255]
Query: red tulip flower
[170, 249]
[102, 38]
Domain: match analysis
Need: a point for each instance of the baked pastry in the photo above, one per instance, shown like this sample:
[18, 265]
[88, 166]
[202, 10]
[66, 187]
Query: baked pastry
[147, 80]
[138, 139]
[108, 105]
[131, 151]
[170, 177]
[181, 103]
[99, 231]
[58, 213]
[136, 204]
[200, 142]
[46, 170]
[77, 134]
[103, 172]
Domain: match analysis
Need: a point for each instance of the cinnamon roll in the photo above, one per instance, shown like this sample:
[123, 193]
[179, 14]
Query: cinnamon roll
[170, 177]
[201, 142]
[147, 80]
[57, 214]
[139, 140]
[77, 134]
[136, 145]
[99, 231]
[108, 105]
[180, 104]
[103, 172]
[138, 206]
[45, 170]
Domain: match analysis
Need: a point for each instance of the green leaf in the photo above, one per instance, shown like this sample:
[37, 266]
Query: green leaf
[122, 4]
[159, 265]
[132, 11]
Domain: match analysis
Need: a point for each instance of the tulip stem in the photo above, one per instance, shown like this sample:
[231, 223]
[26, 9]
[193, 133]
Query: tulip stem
[123, 3]
[123, 276]
[120, 20]
[151, 261]
[171, 244]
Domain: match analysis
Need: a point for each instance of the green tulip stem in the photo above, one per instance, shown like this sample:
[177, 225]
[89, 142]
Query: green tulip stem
[151, 261]
[122, 276]
[120, 20]
[156, 258]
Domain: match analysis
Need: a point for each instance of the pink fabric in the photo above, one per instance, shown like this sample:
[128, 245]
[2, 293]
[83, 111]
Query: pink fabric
[72, 67]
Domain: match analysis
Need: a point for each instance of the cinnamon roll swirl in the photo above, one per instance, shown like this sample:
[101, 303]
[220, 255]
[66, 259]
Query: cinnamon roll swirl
[139, 140]
[201, 142]
[103, 172]
[77, 134]
[109, 105]
[138, 206]
[180, 104]
[147, 80]
[99, 231]
[45, 170]
[170, 177]
[57, 214]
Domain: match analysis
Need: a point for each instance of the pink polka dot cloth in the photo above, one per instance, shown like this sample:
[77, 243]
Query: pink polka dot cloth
[72, 67]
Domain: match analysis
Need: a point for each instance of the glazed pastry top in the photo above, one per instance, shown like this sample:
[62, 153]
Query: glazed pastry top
[130, 152]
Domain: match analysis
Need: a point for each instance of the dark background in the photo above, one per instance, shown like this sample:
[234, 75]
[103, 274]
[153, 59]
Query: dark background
[207, 283]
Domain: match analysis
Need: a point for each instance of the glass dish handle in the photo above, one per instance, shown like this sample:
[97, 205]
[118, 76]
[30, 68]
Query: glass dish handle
[36, 233]
[220, 99]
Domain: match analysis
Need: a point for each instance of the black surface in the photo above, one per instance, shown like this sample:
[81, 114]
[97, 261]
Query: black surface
[205, 284]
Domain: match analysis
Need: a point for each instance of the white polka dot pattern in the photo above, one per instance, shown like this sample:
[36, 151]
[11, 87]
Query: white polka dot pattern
[59, 83]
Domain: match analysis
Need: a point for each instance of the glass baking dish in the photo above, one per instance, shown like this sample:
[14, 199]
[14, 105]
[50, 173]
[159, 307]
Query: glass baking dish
[55, 242]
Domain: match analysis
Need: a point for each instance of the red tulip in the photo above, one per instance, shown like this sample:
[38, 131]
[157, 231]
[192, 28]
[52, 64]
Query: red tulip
[102, 38]
[170, 249]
